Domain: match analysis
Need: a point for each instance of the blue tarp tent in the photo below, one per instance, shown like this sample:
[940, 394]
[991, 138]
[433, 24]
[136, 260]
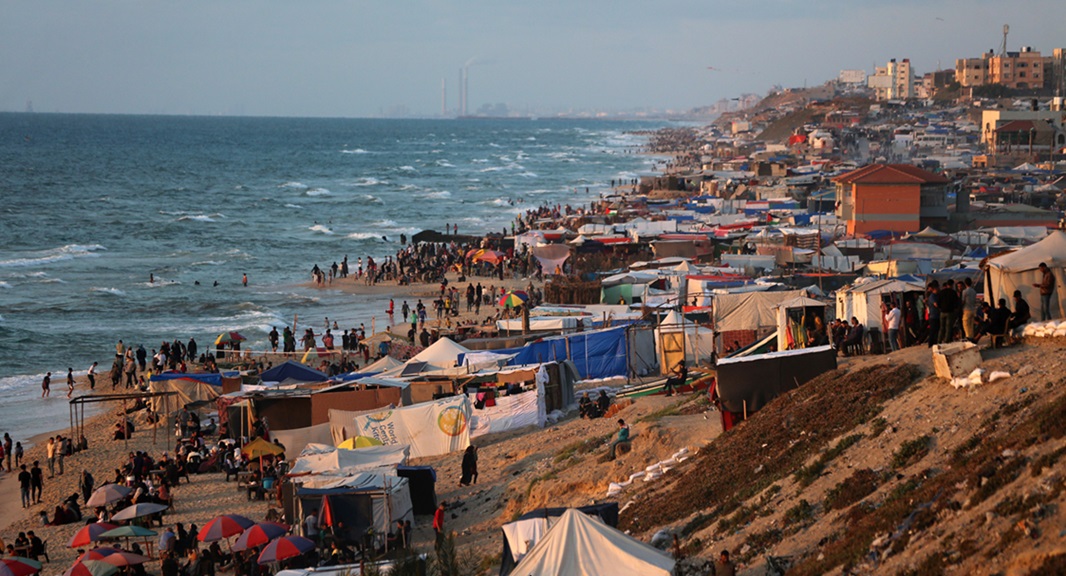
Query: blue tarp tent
[212, 378]
[596, 354]
[290, 371]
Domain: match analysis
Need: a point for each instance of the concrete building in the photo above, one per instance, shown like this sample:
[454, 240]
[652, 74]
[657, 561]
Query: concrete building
[1016, 70]
[896, 197]
[893, 81]
[852, 77]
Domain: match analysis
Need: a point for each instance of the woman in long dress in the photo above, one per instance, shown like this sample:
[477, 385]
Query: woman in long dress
[469, 466]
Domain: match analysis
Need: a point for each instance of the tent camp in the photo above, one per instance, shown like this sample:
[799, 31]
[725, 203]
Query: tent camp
[325, 460]
[581, 544]
[522, 534]
[1018, 271]
[677, 338]
[292, 372]
[863, 300]
[795, 318]
[441, 355]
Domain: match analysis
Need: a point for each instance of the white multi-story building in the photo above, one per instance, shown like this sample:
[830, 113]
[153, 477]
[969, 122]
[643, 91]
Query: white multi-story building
[894, 81]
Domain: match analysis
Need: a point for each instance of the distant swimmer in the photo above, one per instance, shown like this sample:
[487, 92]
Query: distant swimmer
[216, 283]
[197, 283]
[151, 278]
[244, 280]
[385, 238]
[46, 385]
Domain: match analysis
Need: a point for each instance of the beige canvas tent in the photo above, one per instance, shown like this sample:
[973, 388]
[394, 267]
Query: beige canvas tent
[580, 544]
[1019, 270]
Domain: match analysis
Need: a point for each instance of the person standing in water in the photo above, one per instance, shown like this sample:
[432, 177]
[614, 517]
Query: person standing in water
[46, 385]
[70, 382]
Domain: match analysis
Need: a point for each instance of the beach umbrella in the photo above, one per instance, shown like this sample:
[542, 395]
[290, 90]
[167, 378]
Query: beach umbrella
[139, 510]
[107, 494]
[284, 548]
[228, 337]
[89, 533]
[121, 559]
[258, 448]
[259, 534]
[97, 554]
[128, 532]
[514, 298]
[490, 256]
[356, 442]
[223, 526]
[91, 568]
[16, 566]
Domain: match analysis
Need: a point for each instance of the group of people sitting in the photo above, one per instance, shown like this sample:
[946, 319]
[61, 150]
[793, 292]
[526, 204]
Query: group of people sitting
[589, 409]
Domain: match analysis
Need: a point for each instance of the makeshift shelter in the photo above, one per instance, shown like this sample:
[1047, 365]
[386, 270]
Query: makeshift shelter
[363, 503]
[325, 460]
[863, 300]
[747, 383]
[676, 338]
[1019, 270]
[595, 353]
[430, 428]
[580, 544]
[551, 256]
[748, 316]
[292, 372]
[441, 355]
[524, 533]
[796, 322]
[190, 389]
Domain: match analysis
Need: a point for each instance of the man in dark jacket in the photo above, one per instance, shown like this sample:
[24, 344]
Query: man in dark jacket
[948, 303]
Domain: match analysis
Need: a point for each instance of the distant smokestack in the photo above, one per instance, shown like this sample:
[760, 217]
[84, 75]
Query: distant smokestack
[459, 106]
[466, 89]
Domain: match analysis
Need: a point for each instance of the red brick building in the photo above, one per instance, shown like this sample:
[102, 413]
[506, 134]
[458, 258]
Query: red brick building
[895, 197]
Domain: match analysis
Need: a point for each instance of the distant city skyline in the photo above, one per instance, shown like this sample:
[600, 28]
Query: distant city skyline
[360, 58]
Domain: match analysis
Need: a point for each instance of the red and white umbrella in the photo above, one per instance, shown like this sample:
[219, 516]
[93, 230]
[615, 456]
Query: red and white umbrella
[260, 534]
[284, 548]
[114, 557]
[91, 568]
[89, 533]
[16, 566]
[107, 494]
[224, 526]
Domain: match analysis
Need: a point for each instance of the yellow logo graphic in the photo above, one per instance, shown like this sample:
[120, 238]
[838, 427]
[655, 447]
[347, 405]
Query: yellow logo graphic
[452, 421]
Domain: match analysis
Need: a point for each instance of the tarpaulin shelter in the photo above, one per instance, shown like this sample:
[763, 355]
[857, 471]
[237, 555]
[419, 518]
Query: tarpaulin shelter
[596, 354]
[747, 383]
[524, 533]
[863, 300]
[1019, 270]
[363, 502]
[581, 544]
[325, 460]
[676, 338]
[296, 440]
[429, 428]
[748, 314]
[507, 413]
[795, 317]
[292, 372]
[190, 388]
[551, 256]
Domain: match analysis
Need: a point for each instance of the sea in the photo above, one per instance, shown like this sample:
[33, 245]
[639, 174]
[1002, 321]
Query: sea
[96, 206]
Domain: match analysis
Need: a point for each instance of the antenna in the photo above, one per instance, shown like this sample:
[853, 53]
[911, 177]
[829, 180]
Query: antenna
[1006, 30]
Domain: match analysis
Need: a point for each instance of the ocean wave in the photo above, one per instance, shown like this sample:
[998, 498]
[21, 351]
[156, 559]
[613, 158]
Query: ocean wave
[208, 263]
[366, 181]
[385, 223]
[528, 174]
[363, 236]
[159, 283]
[355, 151]
[68, 252]
[199, 218]
[321, 229]
[246, 322]
[479, 161]
[299, 185]
[111, 291]
[318, 192]
[437, 194]
[407, 168]
[5, 285]
[444, 164]
[52, 281]
[370, 198]
[493, 169]
[296, 206]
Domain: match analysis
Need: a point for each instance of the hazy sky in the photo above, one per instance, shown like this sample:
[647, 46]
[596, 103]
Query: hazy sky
[359, 58]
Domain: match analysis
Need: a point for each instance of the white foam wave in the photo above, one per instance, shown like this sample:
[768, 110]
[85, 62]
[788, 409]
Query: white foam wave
[370, 198]
[364, 236]
[208, 263]
[320, 229]
[444, 164]
[299, 185]
[53, 281]
[437, 194]
[479, 161]
[296, 206]
[68, 252]
[493, 169]
[111, 291]
[354, 151]
[5, 285]
[318, 192]
[528, 174]
[384, 223]
[366, 181]
[407, 168]
[198, 218]
[160, 283]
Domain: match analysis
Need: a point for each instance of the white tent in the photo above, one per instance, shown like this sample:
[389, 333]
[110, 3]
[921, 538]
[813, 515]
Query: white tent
[389, 496]
[319, 459]
[863, 301]
[1018, 271]
[783, 327]
[580, 544]
[673, 333]
[750, 310]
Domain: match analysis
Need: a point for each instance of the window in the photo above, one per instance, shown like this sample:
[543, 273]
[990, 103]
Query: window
[1021, 74]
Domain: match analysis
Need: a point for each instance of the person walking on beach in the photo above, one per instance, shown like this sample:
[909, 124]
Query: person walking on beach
[46, 385]
[70, 381]
[7, 450]
[18, 453]
[91, 375]
[51, 453]
[438, 525]
[24, 486]
[36, 482]
[63, 446]
[86, 484]
[273, 337]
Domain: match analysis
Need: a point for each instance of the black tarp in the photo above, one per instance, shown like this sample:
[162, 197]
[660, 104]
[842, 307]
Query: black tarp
[422, 481]
[758, 379]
